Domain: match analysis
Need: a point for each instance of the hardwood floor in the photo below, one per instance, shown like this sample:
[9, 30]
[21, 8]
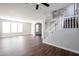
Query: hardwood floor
[29, 46]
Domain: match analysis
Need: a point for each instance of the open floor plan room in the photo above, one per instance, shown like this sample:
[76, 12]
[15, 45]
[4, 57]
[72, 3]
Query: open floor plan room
[39, 29]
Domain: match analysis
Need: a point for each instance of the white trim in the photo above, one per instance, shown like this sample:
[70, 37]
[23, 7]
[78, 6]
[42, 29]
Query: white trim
[71, 16]
[14, 35]
[62, 47]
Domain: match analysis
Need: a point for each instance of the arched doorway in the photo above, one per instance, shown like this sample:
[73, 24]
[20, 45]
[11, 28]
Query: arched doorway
[38, 29]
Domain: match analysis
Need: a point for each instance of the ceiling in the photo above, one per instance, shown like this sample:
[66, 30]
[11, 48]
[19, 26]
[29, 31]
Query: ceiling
[27, 11]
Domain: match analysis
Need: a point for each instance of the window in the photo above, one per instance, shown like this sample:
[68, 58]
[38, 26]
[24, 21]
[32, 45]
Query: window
[20, 27]
[10, 27]
[6, 27]
[13, 27]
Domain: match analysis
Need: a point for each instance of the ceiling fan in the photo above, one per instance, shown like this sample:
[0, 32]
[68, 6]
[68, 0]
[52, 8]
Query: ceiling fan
[45, 4]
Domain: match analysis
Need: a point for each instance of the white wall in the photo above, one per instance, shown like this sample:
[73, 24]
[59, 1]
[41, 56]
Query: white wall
[78, 8]
[69, 11]
[65, 38]
[27, 28]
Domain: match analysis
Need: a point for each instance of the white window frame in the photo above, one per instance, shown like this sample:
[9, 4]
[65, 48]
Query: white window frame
[10, 27]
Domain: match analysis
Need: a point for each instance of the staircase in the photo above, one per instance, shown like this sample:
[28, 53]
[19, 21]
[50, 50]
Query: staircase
[66, 36]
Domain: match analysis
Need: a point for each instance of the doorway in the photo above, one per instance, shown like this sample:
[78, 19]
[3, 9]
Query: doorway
[38, 29]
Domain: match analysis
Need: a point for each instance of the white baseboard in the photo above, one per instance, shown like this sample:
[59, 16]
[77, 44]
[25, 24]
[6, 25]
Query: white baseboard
[62, 47]
[6, 36]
